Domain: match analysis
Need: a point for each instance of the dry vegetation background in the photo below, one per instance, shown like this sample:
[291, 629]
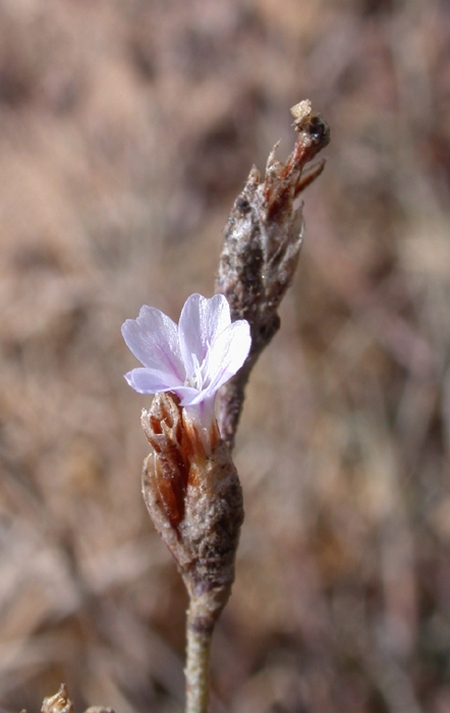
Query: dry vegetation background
[126, 131]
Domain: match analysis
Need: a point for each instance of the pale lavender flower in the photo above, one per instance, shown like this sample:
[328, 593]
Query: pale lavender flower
[192, 359]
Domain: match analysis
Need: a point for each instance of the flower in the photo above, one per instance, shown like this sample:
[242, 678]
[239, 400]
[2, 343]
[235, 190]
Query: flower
[192, 359]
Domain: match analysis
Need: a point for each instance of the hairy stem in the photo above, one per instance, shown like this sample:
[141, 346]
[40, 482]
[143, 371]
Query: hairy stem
[199, 637]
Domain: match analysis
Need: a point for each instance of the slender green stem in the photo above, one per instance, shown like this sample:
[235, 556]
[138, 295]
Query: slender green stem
[199, 637]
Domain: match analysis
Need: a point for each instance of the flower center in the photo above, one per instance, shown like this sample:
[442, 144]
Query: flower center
[196, 379]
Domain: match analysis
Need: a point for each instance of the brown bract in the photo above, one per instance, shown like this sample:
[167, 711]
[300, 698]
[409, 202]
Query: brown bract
[262, 244]
[192, 492]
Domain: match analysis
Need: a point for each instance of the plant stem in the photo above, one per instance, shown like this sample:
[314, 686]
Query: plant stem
[199, 636]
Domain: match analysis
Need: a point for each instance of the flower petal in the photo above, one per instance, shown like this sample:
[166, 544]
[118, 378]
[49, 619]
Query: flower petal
[201, 321]
[188, 395]
[227, 354]
[153, 339]
[192, 360]
[201, 411]
[150, 381]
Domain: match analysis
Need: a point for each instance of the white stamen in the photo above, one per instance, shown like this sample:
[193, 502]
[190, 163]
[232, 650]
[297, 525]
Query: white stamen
[196, 380]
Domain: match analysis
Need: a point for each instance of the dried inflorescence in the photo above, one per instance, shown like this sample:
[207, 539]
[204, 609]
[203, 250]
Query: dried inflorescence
[190, 485]
[261, 249]
[61, 703]
[192, 491]
[58, 703]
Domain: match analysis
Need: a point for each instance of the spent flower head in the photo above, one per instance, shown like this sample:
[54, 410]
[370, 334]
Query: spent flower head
[192, 359]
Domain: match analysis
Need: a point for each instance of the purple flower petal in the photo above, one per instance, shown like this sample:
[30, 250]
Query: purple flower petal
[227, 354]
[153, 339]
[201, 320]
[201, 411]
[188, 395]
[192, 360]
[150, 381]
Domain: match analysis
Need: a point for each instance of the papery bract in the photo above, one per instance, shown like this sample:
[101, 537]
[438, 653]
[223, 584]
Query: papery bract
[192, 359]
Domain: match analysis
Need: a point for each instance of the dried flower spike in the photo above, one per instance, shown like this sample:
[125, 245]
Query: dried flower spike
[190, 485]
[59, 703]
[261, 248]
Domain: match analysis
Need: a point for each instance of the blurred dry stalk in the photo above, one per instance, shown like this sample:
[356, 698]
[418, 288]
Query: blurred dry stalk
[343, 587]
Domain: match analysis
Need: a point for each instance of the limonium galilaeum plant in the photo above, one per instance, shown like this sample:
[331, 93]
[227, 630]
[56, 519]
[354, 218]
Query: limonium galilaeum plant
[189, 481]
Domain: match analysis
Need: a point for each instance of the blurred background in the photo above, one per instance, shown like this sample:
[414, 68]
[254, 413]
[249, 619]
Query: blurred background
[126, 131]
